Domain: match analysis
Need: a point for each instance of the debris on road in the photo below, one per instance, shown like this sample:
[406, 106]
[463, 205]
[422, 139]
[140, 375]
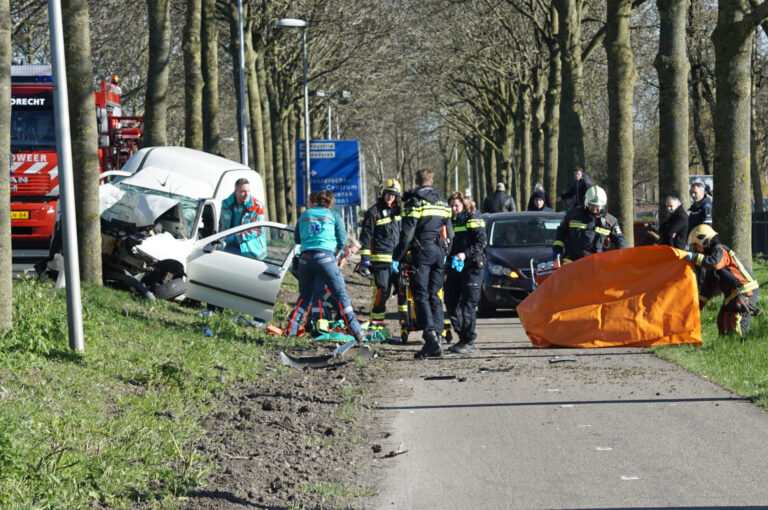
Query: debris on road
[558, 359]
[395, 453]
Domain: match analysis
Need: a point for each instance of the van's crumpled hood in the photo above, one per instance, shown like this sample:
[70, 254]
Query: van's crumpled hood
[129, 207]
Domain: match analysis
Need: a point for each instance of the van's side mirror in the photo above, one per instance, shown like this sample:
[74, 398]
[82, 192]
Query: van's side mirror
[211, 247]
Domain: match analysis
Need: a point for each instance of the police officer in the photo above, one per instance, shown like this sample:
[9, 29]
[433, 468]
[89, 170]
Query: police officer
[586, 230]
[727, 273]
[379, 235]
[464, 274]
[427, 232]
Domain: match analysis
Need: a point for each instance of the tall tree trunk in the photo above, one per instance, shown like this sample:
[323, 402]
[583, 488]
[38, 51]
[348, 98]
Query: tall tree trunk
[733, 48]
[526, 148]
[156, 102]
[571, 136]
[193, 77]
[699, 136]
[83, 128]
[621, 86]
[266, 130]
[757, 182]
[672, 66]
[6, 268]
[537, 128]
[279, 182]
[210, 52]
[256, 127]
[291, 127]
[552, 112]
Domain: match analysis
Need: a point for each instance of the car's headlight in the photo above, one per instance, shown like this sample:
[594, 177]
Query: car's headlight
[500, 270]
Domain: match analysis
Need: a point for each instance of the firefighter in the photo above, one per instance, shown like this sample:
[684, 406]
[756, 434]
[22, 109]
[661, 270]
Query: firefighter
[427, 233]
[589, 229]
[726, 272]
[378, 237]
[465, 272]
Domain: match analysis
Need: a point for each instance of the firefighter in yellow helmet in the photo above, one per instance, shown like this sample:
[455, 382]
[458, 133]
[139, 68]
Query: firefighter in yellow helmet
[727, 273]
[378, 237]
[589, 229]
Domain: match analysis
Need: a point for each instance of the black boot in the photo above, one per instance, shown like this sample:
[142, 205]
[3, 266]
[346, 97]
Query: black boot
[432, 347]
[463, 348]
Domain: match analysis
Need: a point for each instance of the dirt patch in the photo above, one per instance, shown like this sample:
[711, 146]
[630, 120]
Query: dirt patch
[300, 438]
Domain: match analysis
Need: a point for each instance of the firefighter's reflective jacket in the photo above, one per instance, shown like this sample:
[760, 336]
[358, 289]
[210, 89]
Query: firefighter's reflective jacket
[726, 272]
[469, 238]
[380, 232]
[581, 233]
[426, 219]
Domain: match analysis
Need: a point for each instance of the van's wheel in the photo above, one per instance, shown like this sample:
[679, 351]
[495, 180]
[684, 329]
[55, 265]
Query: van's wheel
[166, 285]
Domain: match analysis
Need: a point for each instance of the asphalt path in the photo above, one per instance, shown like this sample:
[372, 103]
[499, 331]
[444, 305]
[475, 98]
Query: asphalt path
[511, 426]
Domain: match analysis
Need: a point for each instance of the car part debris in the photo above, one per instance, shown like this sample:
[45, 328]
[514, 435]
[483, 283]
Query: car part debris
[327, 360]
[340, 350]
[306, 361]
[399, 451]
[561, 360]
[440, 378]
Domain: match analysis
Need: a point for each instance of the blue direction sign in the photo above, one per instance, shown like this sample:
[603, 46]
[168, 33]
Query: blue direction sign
[333, 165]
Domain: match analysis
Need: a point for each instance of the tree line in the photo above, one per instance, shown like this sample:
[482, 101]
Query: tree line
[641, 93]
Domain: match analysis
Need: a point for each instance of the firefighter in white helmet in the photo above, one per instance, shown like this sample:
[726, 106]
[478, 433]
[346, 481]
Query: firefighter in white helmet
[589, 229]
[728, 274]
[378, 237]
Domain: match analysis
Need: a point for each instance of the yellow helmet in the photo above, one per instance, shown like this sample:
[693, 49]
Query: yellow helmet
[701, 235]
[595, 196]
[390, 186]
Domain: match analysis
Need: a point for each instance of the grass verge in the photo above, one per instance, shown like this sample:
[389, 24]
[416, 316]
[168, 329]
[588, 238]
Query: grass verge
[117, 424]
[739, 364]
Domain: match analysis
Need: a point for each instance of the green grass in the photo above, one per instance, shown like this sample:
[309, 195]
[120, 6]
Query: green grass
[118, 423]
[328, 490]
[739, 364]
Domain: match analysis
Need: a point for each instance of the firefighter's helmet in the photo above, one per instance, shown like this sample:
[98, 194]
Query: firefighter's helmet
[595, 196]
[701, 236]
[390, 186]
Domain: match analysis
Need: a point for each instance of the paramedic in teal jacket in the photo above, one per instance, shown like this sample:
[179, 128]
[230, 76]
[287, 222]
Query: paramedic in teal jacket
[322, 236]
[238, 209]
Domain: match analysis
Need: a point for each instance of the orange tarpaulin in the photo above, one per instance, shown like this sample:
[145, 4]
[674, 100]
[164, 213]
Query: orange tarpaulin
[636, 297]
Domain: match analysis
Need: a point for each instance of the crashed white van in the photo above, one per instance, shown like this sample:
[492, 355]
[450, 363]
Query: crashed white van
[159, 224]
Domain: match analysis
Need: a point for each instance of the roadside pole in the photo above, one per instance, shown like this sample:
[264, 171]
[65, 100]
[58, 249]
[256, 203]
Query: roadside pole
[67, 201]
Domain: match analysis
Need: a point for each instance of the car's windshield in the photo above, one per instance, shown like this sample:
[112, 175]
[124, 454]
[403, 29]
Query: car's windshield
[523, 232]
[189, 205]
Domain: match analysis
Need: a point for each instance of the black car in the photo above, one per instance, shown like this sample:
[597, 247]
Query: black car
[513, 240]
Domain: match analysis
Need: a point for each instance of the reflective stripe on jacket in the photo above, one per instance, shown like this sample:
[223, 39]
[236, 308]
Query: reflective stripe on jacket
[380, 232]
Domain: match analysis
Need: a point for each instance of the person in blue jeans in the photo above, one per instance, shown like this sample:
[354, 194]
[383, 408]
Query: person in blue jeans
[322, 236]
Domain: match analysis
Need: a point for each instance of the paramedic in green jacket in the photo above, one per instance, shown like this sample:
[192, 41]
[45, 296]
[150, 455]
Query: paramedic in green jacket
[322, 236]
[238, 209]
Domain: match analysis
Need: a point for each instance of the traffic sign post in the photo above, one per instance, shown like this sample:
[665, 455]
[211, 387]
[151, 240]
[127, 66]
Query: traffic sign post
[335, 166]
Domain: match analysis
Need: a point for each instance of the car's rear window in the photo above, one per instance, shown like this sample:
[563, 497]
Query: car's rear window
[523, 232]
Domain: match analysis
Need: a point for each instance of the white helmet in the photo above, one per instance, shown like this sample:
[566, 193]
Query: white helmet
[595, 196]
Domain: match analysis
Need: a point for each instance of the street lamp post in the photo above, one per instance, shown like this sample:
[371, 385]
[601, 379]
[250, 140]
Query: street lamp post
[302, 24]
[243, 128]
[330, 94]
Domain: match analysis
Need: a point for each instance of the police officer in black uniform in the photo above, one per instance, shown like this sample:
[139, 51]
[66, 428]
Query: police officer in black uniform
[379, 235]
[427, 233]
[585, 230]
[464, 272]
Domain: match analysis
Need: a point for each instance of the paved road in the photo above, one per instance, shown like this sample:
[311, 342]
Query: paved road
[530, 428]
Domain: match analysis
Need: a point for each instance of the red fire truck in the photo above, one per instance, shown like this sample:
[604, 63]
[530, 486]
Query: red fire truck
[34, 166]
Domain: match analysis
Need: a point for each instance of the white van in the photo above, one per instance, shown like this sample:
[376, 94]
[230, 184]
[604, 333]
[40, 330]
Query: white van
[153, 219]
